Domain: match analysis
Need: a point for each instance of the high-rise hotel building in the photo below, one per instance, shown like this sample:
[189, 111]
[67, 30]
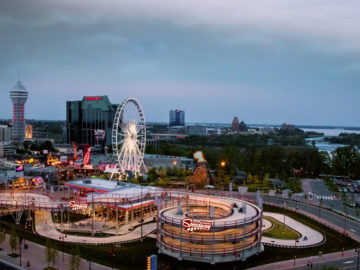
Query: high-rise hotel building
[88, 117]
[18, 96]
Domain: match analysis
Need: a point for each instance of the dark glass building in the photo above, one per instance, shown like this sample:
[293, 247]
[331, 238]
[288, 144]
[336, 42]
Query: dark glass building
[176, 118]
[90, 120]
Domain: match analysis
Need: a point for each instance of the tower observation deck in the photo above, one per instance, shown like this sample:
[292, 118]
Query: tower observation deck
[18, 96]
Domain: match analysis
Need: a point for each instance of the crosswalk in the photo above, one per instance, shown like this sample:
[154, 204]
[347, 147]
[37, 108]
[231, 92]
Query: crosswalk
[323, 197]
[329, 198]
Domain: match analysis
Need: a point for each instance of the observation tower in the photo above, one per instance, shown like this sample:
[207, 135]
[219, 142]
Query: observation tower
[18, 96]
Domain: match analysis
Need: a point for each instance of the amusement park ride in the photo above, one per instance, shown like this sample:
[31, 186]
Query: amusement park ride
[129, 140]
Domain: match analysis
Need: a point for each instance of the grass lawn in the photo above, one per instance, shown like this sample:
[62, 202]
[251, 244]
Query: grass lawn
[279, 231]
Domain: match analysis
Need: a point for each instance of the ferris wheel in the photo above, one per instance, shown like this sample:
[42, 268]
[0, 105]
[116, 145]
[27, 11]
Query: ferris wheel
[129, 139]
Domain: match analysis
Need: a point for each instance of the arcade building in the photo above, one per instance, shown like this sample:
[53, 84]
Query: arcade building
[121, 202]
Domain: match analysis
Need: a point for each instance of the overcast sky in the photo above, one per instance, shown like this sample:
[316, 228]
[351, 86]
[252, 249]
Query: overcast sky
[265, 61]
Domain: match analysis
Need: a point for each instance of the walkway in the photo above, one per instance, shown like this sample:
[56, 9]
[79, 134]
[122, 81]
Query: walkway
[35, 254]
[45, 226]
[309, 237]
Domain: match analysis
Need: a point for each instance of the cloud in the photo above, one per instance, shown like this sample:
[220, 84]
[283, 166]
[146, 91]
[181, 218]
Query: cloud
[241, 57]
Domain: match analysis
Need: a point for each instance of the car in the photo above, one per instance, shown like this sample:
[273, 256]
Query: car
[351, 204]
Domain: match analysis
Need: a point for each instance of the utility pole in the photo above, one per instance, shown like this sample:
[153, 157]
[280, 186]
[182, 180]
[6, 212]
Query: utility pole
[93, 216]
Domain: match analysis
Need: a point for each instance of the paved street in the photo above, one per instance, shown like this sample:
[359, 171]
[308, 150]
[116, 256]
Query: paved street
[347, 260]
[329, 199]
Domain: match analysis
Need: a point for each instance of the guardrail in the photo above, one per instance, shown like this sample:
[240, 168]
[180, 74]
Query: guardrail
[236, 251]
[211, 236]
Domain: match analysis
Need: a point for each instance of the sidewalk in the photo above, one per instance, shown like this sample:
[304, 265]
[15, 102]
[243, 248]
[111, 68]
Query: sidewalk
[35, 254]
[304, 261]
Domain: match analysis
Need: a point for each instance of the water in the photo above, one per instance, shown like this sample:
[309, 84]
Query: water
[323, 145]
[328, 132]
[326, 146]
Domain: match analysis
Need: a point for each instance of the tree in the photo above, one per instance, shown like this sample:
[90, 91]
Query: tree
[345, 162]
[51, 253]
[13, 241]
[2, 236]
[152, 175]
[75, 259]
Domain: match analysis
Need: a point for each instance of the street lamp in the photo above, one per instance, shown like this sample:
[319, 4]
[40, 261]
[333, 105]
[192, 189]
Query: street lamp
[284, 217]
[222, 164]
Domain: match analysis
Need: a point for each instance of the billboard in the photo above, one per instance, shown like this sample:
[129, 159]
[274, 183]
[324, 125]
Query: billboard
[99, 135]
[19, 168]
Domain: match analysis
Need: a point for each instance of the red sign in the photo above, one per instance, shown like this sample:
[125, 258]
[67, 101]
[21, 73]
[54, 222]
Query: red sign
[93, 98]
[201, 226]
[78, 206]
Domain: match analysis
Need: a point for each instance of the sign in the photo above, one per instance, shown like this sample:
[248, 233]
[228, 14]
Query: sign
[87, 150]
[99, 135]
[152, 262]
[200, 226]
[19, 168]
[63, 159]
[242, 190]
[93, 98]
[77, 206]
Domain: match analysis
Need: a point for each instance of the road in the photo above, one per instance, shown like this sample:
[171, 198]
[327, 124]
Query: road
[329, 199]
[342, 260]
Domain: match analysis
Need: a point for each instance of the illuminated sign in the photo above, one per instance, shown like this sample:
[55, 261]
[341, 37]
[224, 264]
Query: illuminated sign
[87, 155]
[78, 206]
[151, 262]
[190, 225]
[19, 168]
[93, 98]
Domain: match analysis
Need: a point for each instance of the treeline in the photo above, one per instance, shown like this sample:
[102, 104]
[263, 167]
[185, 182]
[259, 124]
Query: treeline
[277, 161]
[345, 138]
[346, 162]
[243, 140]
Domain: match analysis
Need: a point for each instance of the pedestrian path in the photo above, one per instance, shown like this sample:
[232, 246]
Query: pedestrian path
[309, 237]
[45, 226]
[35, 254]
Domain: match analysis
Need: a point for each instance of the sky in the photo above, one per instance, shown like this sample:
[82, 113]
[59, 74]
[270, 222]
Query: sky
[265, 61]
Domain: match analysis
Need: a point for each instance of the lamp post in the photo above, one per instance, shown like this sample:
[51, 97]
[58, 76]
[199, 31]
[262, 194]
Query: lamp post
[223, 165]
[284, 217]
[141, 216]
[20, 242]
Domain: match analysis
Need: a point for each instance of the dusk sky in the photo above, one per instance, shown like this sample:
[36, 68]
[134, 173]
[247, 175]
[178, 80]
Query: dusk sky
[265, 61]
